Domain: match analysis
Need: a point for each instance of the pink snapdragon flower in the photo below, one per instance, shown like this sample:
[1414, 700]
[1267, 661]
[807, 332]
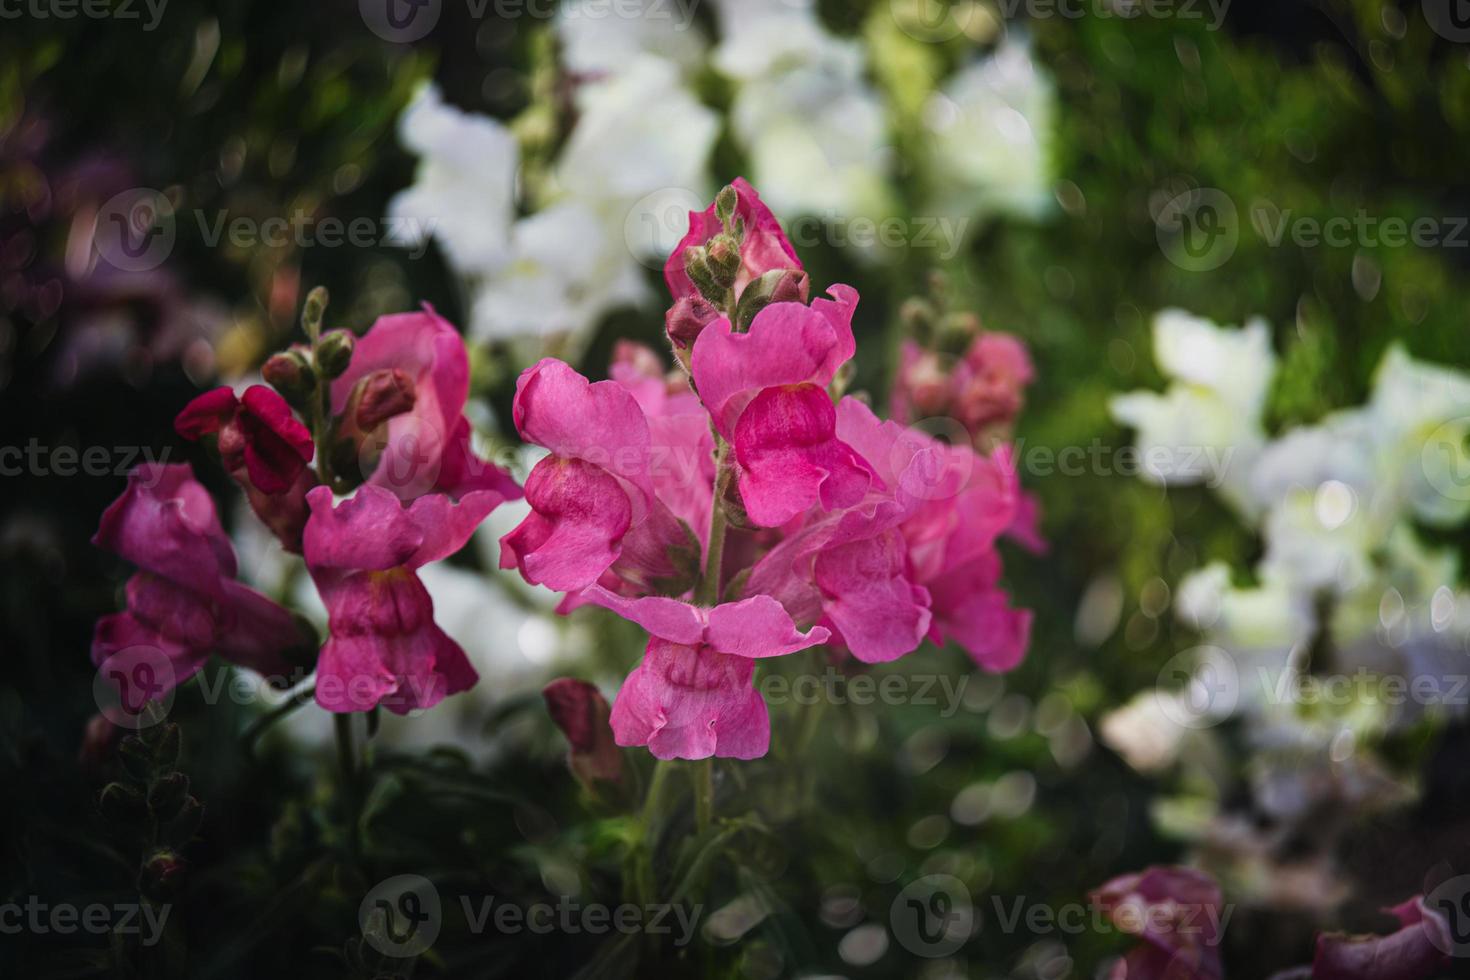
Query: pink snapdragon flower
[428, 447]
[263, 447]
[1177, 912]
[763, 249]
[183, 603]
[385, 647]
[984, 391]
[914, 559]
[766, 394]
[594, 505]
[1418, 950]
[692, 695]
[256, 431]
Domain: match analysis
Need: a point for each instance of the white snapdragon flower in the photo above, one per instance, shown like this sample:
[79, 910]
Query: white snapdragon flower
[464, 192]
[568, 267]
[1207, 427]
[598, 37]
[991, 125]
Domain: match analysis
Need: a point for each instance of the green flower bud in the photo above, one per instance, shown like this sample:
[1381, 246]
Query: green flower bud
[774, 286]
[290, 373]
[723, 255]
[334, 353]
[697, 265]
[725, 203]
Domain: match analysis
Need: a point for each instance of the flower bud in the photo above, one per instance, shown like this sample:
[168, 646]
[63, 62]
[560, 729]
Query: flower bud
[121, 805]
[687, 318]
[775, 286]
[696, 264]
[290, 373]
[582, 713]
[167, 795]
[334, 352]
[378, 397]
[725, 204]
[723, 254]
[161, 873]
[313, 310]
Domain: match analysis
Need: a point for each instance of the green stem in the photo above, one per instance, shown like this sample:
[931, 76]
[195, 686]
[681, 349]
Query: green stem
[708, 593]
[347, 760]
[259, 727]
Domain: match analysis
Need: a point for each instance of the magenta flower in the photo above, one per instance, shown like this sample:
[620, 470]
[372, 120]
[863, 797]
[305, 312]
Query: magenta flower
[362, 553]
[764, 248]
[1177, 912]
[914, 559]
[593, 502]
[428, 447]
[256, 433]
[692, 696]
[983, 391]
[184, 602]
[1418, 950]
[766, 393]
[582, 714]
[264, 448]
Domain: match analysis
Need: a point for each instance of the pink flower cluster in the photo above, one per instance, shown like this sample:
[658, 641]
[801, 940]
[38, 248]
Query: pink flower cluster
[813, 521]
[395, 432]
[739, 510]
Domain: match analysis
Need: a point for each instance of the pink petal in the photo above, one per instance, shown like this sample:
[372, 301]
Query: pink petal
[758, 627]
[575, 530]
[165, 522]
[979, 617]
[868, 597]
[385, 647]
[790, 458]
[668, 619]
[206, 414]
[600, 423]
[787, 344]
[277, 445]
[370, 530]
[684, 703]
[424, 450]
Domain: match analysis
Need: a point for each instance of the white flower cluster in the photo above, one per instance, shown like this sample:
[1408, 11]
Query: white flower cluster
[813, 126]
[557, 264]
[1352, 625]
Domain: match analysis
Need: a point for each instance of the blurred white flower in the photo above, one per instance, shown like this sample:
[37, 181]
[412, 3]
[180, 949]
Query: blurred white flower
[1207, 426]
[638, 130]
[759, 37]
[991, 126]
[567, 269]
[464, 192]
[598, 37]
[1144, 731]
